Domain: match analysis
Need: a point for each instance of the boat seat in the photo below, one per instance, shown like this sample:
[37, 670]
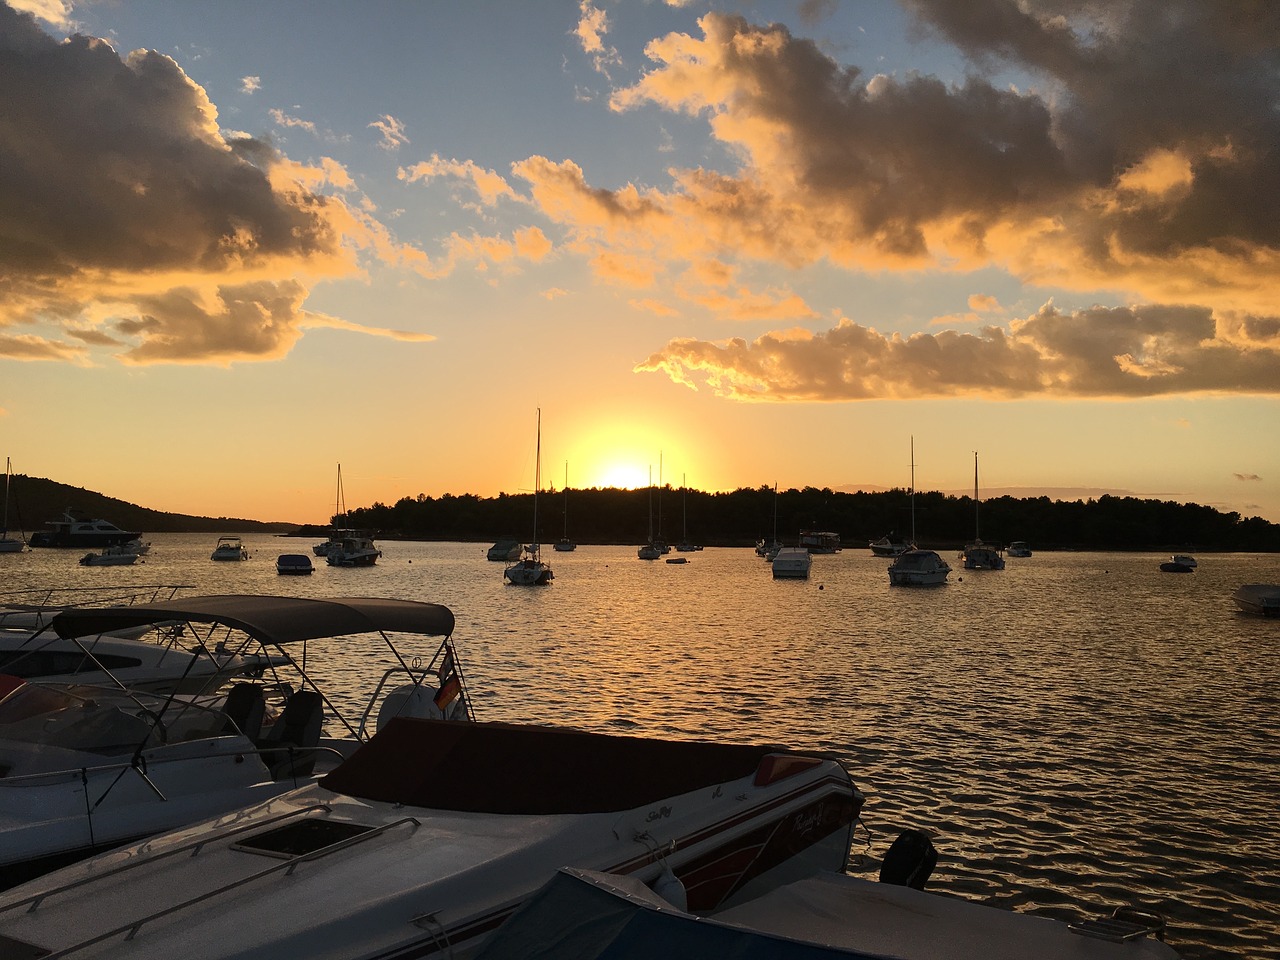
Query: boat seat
[245, 709]
[298, 727]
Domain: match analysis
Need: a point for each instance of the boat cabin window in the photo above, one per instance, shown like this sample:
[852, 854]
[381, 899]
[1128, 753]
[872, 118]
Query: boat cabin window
[48, 663]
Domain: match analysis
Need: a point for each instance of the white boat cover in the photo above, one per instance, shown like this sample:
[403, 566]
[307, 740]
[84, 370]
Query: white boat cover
[586, 915]
[270, 620]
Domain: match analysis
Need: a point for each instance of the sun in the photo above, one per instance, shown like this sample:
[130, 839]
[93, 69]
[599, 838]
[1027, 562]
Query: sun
[621, 475]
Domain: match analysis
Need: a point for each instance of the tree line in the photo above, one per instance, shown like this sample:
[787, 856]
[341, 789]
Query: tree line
[743, 516]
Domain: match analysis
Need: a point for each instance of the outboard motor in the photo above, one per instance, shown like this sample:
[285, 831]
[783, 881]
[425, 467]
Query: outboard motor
[910, 860]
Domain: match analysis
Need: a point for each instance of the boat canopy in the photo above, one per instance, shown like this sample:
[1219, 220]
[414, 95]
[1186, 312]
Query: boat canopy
[269, 620]
[515, 769]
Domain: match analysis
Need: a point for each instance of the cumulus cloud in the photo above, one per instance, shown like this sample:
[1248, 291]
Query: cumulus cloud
[131, 222]
[250, 84]
[1143, 351]
[593, 26]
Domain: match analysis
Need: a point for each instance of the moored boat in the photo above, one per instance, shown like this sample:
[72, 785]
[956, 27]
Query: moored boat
[918, 568]
[531, 570]
[88, 768]
[821, 917]
[1178, 564]
[434, 833]
[1262, 599]
[505, 549]
[73, 531]
[118, 555]
[1019, 548]
[295, 564]
[887, 546]
[792, 563]
[820, 541]
[977, 555]
[229, 548]
[357, 549]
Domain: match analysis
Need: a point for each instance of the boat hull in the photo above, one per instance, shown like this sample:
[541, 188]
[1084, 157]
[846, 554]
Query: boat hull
[1260, 599]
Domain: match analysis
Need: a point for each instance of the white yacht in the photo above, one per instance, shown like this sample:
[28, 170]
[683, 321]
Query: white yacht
[229, 548]
[792, 563]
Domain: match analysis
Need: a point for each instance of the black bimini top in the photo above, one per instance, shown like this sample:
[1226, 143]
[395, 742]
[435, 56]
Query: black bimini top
[270, 620]
[512, 769]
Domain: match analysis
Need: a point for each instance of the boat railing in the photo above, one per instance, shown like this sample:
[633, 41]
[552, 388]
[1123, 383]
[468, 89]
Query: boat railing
[118, 595]
[145, 763]
[286, 867]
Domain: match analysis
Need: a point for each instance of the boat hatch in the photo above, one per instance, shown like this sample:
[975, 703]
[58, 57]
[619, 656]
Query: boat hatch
[301, 838]
[20, 949]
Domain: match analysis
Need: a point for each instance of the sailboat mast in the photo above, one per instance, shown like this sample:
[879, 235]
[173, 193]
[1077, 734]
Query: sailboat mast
[7, 468]
[913, 491]
[976, 535]
[566, 499]
[537, 476]
[651, 503]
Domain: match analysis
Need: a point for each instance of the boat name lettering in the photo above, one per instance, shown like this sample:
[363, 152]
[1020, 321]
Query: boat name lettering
[658, 814]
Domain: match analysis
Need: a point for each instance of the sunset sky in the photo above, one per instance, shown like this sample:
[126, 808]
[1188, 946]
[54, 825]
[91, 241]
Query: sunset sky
[756, 242]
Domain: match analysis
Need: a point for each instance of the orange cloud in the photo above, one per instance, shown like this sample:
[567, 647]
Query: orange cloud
[1100, 352]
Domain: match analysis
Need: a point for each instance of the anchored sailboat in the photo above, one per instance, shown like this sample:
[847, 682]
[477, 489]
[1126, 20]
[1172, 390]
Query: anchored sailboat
[531, 570]
[978, 555]
[7, 543]
[565, 544]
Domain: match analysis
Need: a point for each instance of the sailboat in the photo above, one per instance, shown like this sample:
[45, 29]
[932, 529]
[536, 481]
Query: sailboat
[7, 543]
[565, 544]
[651, 550]
[914, 567]
[684, 546]
[531, 570]
[978, 555]
[348, 547]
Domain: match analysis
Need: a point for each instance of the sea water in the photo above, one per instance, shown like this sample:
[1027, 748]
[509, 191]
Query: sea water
[1077, 731]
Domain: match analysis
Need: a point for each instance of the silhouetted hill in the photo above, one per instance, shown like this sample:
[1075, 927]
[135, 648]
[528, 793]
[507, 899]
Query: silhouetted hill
[33, 501]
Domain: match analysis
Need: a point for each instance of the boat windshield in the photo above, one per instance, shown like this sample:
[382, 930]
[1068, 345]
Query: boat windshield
[103, 720]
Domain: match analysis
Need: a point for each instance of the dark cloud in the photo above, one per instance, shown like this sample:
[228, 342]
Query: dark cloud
[119, 197]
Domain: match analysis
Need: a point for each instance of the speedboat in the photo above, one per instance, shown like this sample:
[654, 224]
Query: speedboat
[1178, 564]
[433, 833]
[792, 563]
[505, 550]
[888, 547]
[294, 563]
[118, 555]
[88, 768]
[1262, 599]
[1185, 559]
[355, 550]
[918, 568]
[229, 548]
[163, 658]
[73, 531]
[980, 556]
[821, 917]
[1019, 548]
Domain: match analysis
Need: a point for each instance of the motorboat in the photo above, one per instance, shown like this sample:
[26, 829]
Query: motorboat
[820, 917]
[981, 556]
[433, 833]
[88, 768]
[978, 555]
[157, 658]
[73, 531]
[1262, 599]
[114, 556]
[792, 563]
[918, 568]
[138, 545]
[820, 541]
[294, 564]
[677, 560]
[887, 546]
[531, 570]
[357, 549]
[1185, 559]
[229, 548]
[505, 550]
[1019, 548]
[9, 544]
[1178, 564]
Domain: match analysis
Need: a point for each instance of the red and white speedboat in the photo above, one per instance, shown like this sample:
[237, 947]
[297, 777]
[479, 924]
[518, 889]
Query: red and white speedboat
[433, 833]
